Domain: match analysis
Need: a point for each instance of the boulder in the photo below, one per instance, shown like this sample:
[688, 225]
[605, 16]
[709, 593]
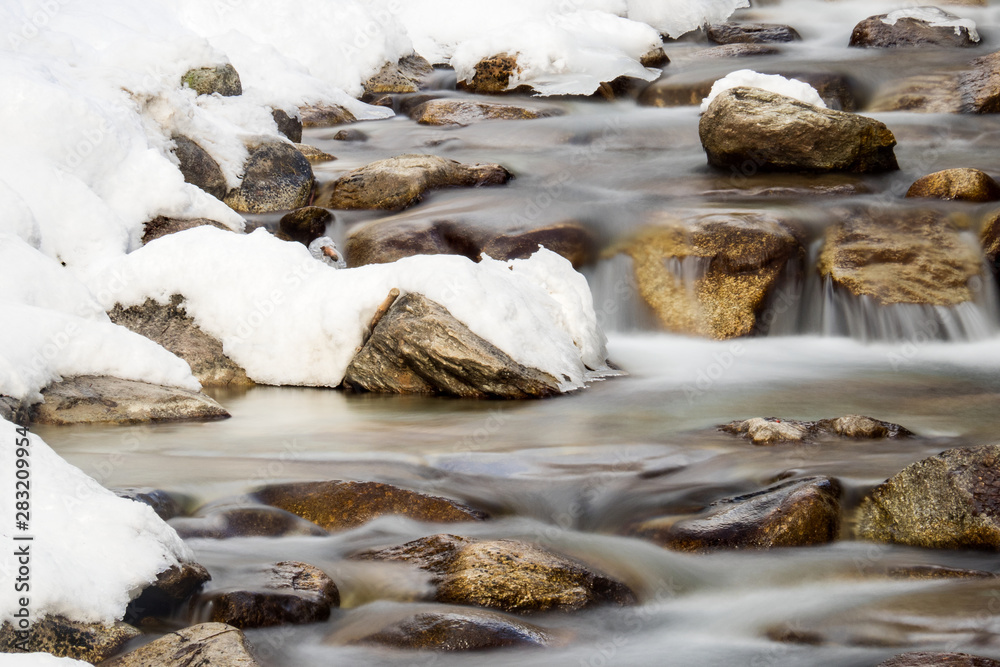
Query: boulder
[794, 513]
[947, 501]
[927, 659]
[419, 347]
[935, 92]
[91, 642]
[772, 431]
[914, 27]
[339, 505]
[989, 238]
[750, 33]
[163, 503]
[962, 184]
[286, 593]
[220, 523]
[199, 168]
[472, 630]
[288, 125]
[165, 595]
[777, 133]
[491, 76]
[13, 410]
[402, 181]
[304, 225]
[900, 256]
[655, 57]
[204, 645]
[450, 111]
[313, 154]
[276, 177]
[170, 326]
[506, 575]
[735, 51]
[712, 275]
[350, 135]
[325, 116]
[221, 79]
[404, 76]
[161, 226]
[980, 86]
[836, 90]
[98, 399]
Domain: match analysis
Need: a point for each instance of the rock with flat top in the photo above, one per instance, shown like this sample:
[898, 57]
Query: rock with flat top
[204, 645]
[466, 112]
[454, 630]
[91, 642]
[899, 29]
[750, 33]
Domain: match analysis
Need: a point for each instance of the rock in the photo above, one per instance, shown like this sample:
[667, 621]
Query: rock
[772, 431]
[712, 275]
[900, 256]
[947, 501]
[837, 90]
[418, 347]
[221, 79]
[981, 85]
[655, 57]
[961, 184]
[465, 112]
[91, 642]
[404, 76]
[171, 327]
[98, 399]
[750, 33]
[161, 226]
[927, 93]
[989, 238]
[171, 588]
[569, 239]
[325, 116]
[313, 154]
[277, 177]
[220, 523]
[777, 133]
[289, 126]
[199, 168]
[14, 410]
[735, 51]
[286, 593]
[402, 181]
[458, 631]
[304, 225]
[338, 505]
[506, 575]
[350, 135]
[491, 76]
[204, 645]
[164, 504]
[794, 513]
[885, 31]
[925, 659]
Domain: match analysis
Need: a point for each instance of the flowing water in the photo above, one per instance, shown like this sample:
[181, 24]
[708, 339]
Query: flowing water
[570, 472]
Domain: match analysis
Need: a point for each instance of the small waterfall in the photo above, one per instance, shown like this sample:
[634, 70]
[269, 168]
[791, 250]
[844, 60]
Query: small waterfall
[619, 306]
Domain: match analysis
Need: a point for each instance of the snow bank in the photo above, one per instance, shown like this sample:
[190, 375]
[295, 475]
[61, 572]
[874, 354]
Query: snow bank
[799, 90]
[935, 17]
[92, 551]
[676, 17]
[288, 319]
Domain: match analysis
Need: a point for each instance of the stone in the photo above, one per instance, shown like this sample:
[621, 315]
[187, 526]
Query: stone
[713, 274]
[163, 503]
[793, 513]
[506, 575]
[286, 593]
[165, 595]
[491, 76]
[962, 184]
[836, 90]
[203, 645]
[325, 116]
[778, 133]
[276, 177]
[875, 32]
[472, 630]
[339, 505]
[935, 92]
[772, 431]
[199, 168]
[161, 226]
[419, 347]
[313, 154]
[350, 135]
[900, 256]
[288, 125]
[750, 33]
[928, 659]
[91, 642]
[947, 501]
[98, 399]
[221, 79]
[450, 111]
[404, 76]
[13, 410]
[655, 57]
[170, 326]
[304, 225]
[402, 181]
[735, 51]
[989, 238]
[220, 523]
[980, 86]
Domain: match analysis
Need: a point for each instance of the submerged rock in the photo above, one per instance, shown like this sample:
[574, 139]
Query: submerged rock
[471, 630]
[507, 575]
[91, 642]
[961, 184]
[338, 505]
[771, 431]
[288, 125]
[98, 399]
[277, 177]
[777, 133]
[325, 116]
[947, 501]
[204, 645]
[465, 112]
[198, 167]
[161, 226]
[404, 76]
[163, 503]
[750, 33]
[419, 347]
[255, 521]
[800, 512]
[927, 659]
[350, 135]
[171, 588]
[402, 181]
[912, 27]
[221, 79]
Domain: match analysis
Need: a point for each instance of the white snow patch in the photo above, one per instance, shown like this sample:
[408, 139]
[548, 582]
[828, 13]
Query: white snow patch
[799, 90]
[936, 18]
[676, 17]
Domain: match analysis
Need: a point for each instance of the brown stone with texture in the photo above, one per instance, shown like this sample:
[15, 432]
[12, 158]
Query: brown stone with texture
[750, 33]
[450, 111]
[325, 116]
[927, 659]
[472, 630]
[960, 184]
[874, 32]
[162, 226]
[492, 75]
[204, 645]
[91, 642]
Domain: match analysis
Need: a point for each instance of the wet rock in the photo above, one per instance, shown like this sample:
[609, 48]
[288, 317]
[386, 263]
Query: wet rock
[926, 659]
[338, 505]
[655, 57]
[935, 572]
[569, 239]
[419, 347]
[458, 631]
[961, 184]
[277, 177]
[836, 90]
[989, 238]
[288, 125]
[304, 225]
[204, 645]
[98, 399]
[91, 642]
[506, 575]
[313, 154]
[465, 112]
[896, 30]
[325, 116]
[736, 51]
[801, 512]
[13, 410]
[198, 167]
[254, 521]
[221, 79]
[491, 76]
[286, 593]
[778, 133]
[711, 275]
[750, 33]
[902, 256]
[402, 181]
[170, 326]
[350, 135]
[161, 226]
[772, 431]
[404, 76]
[171, 588]
[981, 85]
[162, 502]
[947, 501]
[927, 93]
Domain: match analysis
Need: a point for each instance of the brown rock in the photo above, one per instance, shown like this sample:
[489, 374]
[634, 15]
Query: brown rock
[989, 238]
[458, 631]
[171, 588]
[325, 116]
[221, 79]
[981, 85]
[91, 642]
[405, 76]
[772, 431]
[937, 92]
[313, 154]
[161, 226]
[492, 75]
[276, 177]
[350, 135]
[750, 33]
[204, 645]
[199, 168]
[451, 111]
[163, 503]
[925, 659]
[959, 184]
[254, 521]
[288, 125]
[736, 51]
[655, 57]
[304, 225]
[874, 32]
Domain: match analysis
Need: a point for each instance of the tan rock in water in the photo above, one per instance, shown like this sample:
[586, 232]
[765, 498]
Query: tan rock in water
[458, 630]
[92, 642]
[492, 75]
[960, 184]
[404, 76]
[204, 645]
[900, 30]
[466, 112]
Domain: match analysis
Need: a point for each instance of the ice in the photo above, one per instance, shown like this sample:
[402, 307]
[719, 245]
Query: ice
[799, 90]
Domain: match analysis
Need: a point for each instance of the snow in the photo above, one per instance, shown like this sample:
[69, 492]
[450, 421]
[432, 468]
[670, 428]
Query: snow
[676, 17]
[935, 17]
[799, 90]
[92, 551]
[39, 660]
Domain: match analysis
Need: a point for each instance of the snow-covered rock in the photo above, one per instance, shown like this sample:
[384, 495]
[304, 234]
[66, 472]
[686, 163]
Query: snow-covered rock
[794, 88]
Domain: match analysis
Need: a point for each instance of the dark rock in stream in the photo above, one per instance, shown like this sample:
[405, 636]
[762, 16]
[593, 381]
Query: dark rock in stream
[304, 225]
[288, 125]
[772, 431]
[90, 642]
[471, 630]
[506, 575]
[171, 588]
[882, 32]
[163, 503]
[204, 645]
[750, 33]
[198, 167]
[927, 659]
[962, 184]
[325, 116]
[255, 521]
[277, 177]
